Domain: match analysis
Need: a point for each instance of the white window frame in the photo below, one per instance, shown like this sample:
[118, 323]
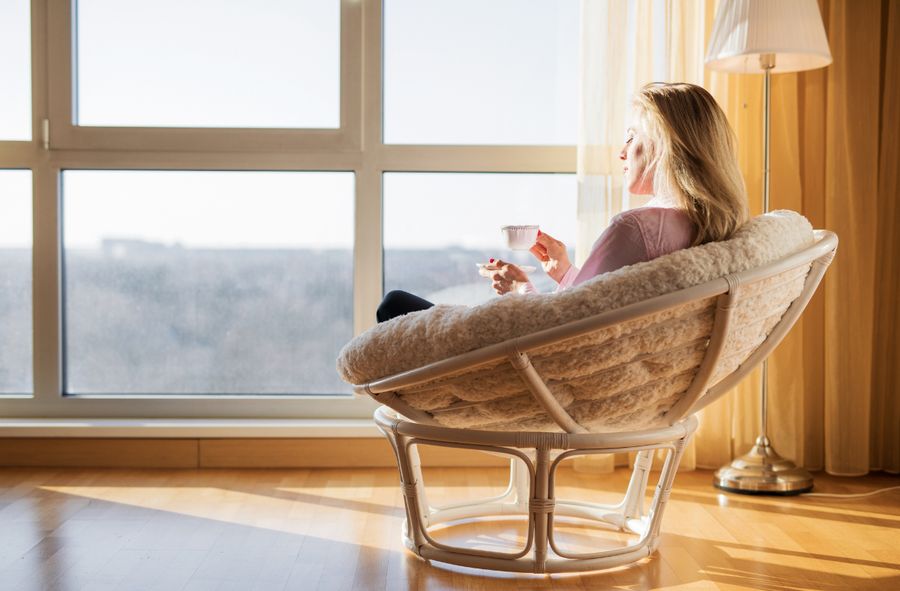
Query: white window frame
[355, 147]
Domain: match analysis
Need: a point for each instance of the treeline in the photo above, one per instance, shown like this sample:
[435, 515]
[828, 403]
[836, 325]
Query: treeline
[148, 319]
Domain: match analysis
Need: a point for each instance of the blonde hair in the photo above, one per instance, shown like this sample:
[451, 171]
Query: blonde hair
[692, 157]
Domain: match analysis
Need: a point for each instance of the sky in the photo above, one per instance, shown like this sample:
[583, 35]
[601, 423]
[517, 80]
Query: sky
[15, 54]
[456, 71]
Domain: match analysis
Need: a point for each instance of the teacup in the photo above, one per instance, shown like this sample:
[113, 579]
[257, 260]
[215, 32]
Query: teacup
[520, 237]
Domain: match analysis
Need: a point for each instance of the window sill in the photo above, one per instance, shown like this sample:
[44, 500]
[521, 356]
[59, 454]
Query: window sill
[190, 428]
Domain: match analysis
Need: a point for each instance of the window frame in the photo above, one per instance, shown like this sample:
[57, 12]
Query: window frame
[355, 147]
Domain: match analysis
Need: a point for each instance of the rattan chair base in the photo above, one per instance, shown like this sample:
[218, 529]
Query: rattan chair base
[730, 354]
[534, 458]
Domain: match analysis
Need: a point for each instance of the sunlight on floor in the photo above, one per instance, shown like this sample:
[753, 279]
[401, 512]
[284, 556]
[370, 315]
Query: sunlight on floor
[289, 515]
[320, 529]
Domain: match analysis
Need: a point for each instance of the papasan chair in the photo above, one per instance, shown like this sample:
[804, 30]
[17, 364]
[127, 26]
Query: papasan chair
[620, 363]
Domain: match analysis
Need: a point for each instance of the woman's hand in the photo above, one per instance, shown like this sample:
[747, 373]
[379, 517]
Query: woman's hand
[552, 255]
[505, 276]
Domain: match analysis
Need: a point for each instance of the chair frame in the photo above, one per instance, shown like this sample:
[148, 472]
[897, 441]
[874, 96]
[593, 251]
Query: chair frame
[534, 456]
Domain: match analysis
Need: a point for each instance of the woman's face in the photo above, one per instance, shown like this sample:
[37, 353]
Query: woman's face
[635, 154]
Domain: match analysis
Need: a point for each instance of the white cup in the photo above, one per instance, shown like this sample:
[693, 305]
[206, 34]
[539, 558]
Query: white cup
[520, 237]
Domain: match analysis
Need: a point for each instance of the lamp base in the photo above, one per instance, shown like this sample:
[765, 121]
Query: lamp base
[763, 472]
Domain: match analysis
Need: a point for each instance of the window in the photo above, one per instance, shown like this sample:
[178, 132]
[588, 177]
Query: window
[207, 282]
[207, 64]
[474, 72]
[438, 225]
[227, 189]
[15, 70]
[15, 282]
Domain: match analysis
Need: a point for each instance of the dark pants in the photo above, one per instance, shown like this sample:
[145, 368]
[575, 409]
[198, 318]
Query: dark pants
[397, 303]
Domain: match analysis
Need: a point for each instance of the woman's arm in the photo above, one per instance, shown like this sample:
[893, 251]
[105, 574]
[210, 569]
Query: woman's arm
[506, 277]
[553, 256]
[568, 279]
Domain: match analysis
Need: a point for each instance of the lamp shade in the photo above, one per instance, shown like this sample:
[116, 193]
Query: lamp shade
[791, 30]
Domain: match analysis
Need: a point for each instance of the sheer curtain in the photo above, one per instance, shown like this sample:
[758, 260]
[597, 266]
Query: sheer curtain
[624, 45]
[835, 381]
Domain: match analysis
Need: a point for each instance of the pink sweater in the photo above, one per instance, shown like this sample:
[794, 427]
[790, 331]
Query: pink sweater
[633, 236]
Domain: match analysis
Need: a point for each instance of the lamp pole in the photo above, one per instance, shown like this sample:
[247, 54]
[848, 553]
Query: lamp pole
[766, 62]
[762, 470]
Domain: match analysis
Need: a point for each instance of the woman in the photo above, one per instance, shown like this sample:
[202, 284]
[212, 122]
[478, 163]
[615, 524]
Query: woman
[680, 149]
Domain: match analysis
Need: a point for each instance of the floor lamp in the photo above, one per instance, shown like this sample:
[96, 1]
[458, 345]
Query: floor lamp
[752, 37]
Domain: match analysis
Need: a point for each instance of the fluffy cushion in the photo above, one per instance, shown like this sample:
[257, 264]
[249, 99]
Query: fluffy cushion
[622, 377]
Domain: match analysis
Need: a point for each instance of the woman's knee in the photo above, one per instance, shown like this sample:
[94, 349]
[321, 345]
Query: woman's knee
[399, 302]
[394, 295]
[387, 307]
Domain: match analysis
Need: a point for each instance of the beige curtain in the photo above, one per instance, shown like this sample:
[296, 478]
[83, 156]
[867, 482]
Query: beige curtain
[834, 380]
[834, 401]
[885, 412]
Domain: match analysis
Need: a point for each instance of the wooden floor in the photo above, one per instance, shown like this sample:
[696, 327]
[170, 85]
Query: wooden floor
[243, 530]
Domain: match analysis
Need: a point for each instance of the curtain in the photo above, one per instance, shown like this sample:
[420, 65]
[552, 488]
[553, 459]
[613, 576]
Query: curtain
[833, 382]
[624, 45]
[885, 432]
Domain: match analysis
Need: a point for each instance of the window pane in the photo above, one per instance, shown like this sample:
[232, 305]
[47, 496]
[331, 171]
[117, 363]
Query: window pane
[15, 70]
[475, 72]
[437, 226]
[204, 63]
[207, 282]
[15, 282]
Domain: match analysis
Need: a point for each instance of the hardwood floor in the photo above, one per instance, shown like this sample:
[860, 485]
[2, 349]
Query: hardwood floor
[95, 529]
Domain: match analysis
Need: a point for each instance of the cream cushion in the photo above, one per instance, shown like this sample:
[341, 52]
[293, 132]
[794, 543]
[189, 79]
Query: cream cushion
[625, 376]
